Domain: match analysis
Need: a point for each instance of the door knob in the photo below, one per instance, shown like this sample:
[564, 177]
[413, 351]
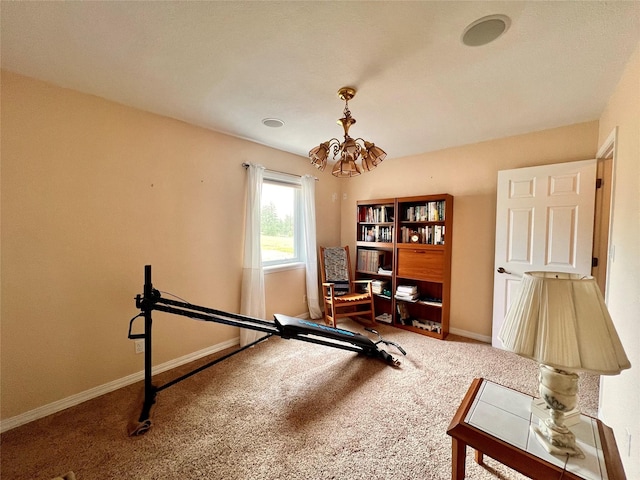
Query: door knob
[502, 270]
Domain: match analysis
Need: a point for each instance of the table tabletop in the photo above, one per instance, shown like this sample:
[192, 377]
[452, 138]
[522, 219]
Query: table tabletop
[496, 420]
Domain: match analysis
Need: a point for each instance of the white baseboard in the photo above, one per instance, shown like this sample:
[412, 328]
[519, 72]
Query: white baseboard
[78, 398]
[474, 336]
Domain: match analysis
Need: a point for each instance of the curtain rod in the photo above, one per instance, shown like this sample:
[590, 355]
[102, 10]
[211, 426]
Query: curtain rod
[246, 165]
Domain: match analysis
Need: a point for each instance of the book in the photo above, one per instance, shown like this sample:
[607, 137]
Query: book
[409, 289]
[407, 297]
[431, 301]
[384, 271]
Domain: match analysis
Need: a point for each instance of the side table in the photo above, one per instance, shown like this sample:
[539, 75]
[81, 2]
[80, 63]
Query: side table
[496, 420]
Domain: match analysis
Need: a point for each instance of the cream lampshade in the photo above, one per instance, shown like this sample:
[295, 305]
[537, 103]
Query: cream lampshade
[560, 320]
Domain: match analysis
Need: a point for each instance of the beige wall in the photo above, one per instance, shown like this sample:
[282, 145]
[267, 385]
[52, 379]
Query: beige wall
[469, 173]
[91, 192]
[620, 395]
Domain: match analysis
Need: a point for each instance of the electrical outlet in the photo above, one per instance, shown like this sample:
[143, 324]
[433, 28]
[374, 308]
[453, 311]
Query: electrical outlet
[139, 345]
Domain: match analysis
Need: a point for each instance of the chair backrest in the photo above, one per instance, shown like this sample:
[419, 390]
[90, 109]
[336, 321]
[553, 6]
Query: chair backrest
[335, 267]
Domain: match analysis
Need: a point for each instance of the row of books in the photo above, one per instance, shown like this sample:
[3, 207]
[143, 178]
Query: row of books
[370, 260]
[428, 235]
[376, 233]
[379, 214]
[430, 212]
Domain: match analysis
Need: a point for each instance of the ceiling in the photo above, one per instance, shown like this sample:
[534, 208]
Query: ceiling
[227, 66]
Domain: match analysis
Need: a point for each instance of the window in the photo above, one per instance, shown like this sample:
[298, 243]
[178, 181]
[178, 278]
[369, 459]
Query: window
[280, 221]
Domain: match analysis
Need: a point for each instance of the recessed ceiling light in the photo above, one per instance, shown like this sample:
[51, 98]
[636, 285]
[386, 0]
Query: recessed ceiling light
[485, 30]
[272, 122]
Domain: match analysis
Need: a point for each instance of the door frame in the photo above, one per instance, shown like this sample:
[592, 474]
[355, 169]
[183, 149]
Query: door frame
[607, 150]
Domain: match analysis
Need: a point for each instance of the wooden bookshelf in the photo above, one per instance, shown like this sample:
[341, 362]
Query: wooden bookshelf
[375, 250]
[406, 242]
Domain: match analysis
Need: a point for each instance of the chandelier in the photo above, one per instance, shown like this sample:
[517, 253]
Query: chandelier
[350, 151]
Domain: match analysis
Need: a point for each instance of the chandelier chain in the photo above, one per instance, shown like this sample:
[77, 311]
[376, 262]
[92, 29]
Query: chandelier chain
[346, 111]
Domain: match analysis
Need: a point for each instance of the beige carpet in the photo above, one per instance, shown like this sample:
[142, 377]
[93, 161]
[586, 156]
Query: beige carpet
[282, 410]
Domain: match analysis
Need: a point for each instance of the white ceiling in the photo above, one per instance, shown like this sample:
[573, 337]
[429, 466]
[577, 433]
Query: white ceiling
[227, 65]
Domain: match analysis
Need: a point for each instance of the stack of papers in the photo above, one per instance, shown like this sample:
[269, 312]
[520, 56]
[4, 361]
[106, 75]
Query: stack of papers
[385, 318]
[378, 286]
[407, 293]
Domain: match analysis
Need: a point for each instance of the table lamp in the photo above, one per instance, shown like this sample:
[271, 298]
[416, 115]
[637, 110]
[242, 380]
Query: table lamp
[561, 321]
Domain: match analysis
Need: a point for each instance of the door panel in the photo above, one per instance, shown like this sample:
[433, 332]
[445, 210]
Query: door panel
[520, 235]
[544, 221]
[561, 237]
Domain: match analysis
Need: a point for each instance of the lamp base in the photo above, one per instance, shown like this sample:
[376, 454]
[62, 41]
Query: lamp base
[557, 441]
[541, 410]
[559, 390]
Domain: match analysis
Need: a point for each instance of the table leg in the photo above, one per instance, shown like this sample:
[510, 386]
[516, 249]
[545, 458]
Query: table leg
[458, 455]
[479, 457]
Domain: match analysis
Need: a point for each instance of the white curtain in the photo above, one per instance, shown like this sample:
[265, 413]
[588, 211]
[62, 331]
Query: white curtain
[311, 257]
[252, 295]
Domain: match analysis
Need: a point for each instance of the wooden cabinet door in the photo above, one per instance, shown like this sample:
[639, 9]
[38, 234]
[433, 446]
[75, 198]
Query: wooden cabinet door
[421, 264]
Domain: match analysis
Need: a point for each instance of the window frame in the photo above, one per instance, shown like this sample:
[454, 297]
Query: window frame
[294, 182]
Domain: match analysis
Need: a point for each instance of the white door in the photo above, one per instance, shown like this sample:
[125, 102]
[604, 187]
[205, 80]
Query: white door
[544, 222]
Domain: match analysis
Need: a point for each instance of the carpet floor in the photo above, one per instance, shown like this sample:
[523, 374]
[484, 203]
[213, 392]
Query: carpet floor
[283, 409]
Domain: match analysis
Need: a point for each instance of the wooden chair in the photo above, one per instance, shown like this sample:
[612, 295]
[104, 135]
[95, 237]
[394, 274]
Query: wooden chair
[340, 292]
